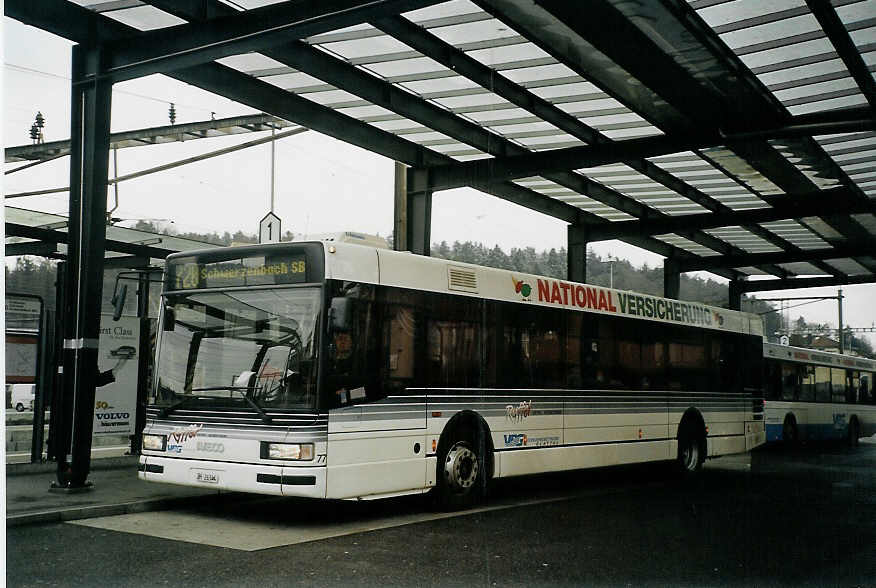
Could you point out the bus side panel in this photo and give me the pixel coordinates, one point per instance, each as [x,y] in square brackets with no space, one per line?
[377,449]
[554,459]
[586,420]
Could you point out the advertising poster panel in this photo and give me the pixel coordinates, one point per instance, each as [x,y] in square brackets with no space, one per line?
[116,395]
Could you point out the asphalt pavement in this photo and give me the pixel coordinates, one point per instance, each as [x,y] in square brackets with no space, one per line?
[775,517]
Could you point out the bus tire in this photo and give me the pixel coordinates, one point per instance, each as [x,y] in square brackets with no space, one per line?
[691,446]
[854,432]
[790,434]
[462,470]
[19,407]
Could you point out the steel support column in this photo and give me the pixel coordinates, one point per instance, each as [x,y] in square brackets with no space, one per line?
[671,278]
[576,253]
[419,211]
[89,133]
[734,295]
[400,210]
[144,356]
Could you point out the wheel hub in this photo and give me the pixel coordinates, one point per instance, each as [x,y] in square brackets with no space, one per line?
[460,468]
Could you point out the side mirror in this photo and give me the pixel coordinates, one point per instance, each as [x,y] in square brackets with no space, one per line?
[118,301]
[341,315]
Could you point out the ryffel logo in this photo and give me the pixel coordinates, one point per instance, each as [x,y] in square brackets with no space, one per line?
[178,437]
[515,440]
[519,412]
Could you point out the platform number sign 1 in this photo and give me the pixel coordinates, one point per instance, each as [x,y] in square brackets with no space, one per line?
[269,229]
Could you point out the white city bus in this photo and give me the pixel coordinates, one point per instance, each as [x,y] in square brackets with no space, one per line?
[334,370]
[816,396]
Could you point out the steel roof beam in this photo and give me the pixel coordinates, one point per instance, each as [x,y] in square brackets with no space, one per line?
[784,207]
[521,166]
[346,77]
[790,284]
[40,248]
[845,47]
[182,46]
[51,236]
[79,24]
[807,255]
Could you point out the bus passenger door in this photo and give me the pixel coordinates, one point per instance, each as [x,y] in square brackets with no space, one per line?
[377,431]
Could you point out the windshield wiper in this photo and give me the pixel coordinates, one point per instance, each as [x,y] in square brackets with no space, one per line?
[169,409]
[245,394]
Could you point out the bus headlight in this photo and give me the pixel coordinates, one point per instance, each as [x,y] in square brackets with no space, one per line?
[155,442]
[290,451]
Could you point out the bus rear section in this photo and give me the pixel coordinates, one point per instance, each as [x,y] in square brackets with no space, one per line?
[818,396]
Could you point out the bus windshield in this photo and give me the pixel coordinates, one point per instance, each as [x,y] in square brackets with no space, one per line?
[222,348]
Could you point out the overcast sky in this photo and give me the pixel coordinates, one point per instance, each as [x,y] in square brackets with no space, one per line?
[321,184]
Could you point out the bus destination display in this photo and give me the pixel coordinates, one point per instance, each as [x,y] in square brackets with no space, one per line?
[189,274]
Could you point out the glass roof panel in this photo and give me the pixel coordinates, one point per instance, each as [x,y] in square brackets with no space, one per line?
[803,72]
[331,97]
[474,31]
[443,10]
[738,10]
[359,31]
[771,31]
[381,45]
[815,89]
[632,133]
[251,62]
[857,99]
[144,18]
[487,98]
[406,67]
[578,88]
[540,72]
[856,11]
[848,266]
[518,51]
[741,170]
[686,244]
[453,82]
[799,50]
[298,82]
[799,235]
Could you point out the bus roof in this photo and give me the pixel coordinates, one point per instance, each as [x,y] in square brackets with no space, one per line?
[803,355]
[406,270]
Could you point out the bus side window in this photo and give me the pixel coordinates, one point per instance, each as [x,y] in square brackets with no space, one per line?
[822,384]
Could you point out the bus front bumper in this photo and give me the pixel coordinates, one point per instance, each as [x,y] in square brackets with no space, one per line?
[308,481]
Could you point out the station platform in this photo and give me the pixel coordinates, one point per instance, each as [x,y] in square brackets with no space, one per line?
[115,490]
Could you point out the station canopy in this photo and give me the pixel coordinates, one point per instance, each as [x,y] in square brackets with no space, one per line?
[730,136]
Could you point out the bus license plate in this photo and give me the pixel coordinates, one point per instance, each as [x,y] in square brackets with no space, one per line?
[205,476]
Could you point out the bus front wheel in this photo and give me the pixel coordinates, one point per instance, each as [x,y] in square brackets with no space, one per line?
[691,455]
[461,476]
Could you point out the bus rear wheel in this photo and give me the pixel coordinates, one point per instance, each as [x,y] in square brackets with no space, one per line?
[854,432]
[461,475]
[19,407]
[691,451]
[789,431]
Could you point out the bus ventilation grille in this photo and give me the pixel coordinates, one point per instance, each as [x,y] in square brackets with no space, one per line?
[462,279]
